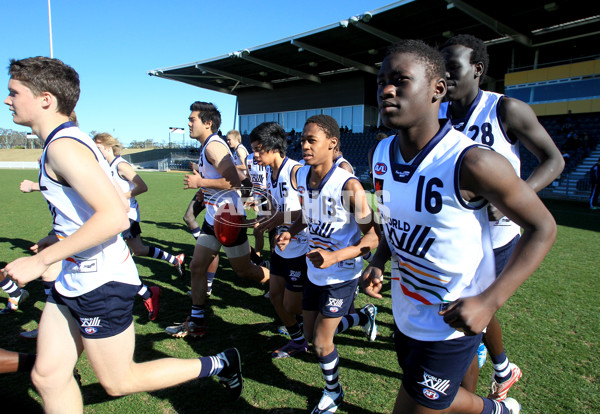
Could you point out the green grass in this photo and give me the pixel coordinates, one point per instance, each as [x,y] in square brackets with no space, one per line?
[550,325]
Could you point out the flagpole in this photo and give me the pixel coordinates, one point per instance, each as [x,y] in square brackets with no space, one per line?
[50,29]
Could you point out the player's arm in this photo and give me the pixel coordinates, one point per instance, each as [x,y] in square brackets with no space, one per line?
[372,277]
[127,172]
[218,155]
[74,164]
[487,174]
[28,186]
[521,123]
[357,204]
[242,153]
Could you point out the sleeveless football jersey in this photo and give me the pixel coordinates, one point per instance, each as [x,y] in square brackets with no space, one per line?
[214,198]
[339,160]
[285,197]
[235,156]
[89,269]
[440,244]
[125,186]
[258,175]
[330,225]
[483,125]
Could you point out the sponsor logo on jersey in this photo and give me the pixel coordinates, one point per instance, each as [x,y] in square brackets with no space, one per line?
[301,189]
[431,394]
[380,168]
[435,384]
[90,331]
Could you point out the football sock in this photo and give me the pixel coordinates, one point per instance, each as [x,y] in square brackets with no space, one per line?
[144,292]
[210,278]
[211,365]
[11,288]
[329,366]
[348,321]
[161,254]
[493,407]
[501,369]
[48,287]
[26,362]
[197,315]
[296,333]
[195,232]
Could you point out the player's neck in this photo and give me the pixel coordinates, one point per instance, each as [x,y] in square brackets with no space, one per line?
[460,107]
[276,165]
[318,172]
[412,140]
[43,127]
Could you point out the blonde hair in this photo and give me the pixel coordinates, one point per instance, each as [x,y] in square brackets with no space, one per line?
[108,140]
[235,134]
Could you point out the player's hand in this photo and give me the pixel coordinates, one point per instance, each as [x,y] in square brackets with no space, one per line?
[24,269]
[192,181]
[193,166]
[43,243]
[283,239]
[372,281]
[469,315]
[321,259]
[26,186]
[250,203]
[494,214]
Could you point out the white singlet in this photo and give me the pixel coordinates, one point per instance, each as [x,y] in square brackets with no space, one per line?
[214,198]
[258,176]
[89,269]
[125,186]
[483,125]
[330,225]
[440,244]
[285,197]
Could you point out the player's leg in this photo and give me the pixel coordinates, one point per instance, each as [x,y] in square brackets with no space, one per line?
[506,374]
[58,348]
[134,241]
[192,211]
[239,257]
[207,247]
[259,241]
[16,295]
[15,361]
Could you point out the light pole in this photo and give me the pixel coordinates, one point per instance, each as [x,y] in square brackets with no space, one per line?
[174,130]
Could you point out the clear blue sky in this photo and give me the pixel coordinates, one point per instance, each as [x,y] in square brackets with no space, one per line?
[113,43]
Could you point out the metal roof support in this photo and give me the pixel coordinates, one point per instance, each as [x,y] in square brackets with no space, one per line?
[232,76]
[245,54]
[489,21]
[186,79]
[336,58]
[374,31]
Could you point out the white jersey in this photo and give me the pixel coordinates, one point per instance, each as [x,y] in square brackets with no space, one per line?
[340,160]
[330,225]
[483,125]
[125,186]
[258,175]
[94,267]
[214,198]
[441,247]
[285,198]
[236,157]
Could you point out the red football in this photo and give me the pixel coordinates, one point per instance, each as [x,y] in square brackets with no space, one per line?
[228,224]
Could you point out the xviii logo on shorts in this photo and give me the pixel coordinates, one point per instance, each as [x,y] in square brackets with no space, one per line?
[335,304]
[433,384]
[91,325]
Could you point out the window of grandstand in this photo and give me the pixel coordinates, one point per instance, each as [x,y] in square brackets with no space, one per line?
[354,117]
[556,90]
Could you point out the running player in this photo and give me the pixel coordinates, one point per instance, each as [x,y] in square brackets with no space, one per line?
[90,306]
[132,185]
[194,209]
[336,211]
[443,287]
[501,122]
[218,179]
[288,267]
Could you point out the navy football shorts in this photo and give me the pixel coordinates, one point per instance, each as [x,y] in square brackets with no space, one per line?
[292,270]
[333,301]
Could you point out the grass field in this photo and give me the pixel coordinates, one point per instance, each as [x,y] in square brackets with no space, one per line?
[551,325]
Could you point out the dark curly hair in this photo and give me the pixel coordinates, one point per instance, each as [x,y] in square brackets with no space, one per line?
[207,112]
[435,65]
[328,124]
[479,52]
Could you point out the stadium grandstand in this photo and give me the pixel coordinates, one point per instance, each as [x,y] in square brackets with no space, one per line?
[543,52]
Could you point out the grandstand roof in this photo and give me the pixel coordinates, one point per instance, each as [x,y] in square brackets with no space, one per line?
[519,34]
